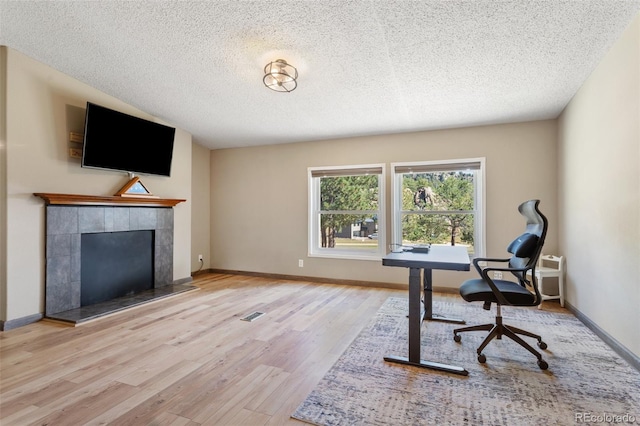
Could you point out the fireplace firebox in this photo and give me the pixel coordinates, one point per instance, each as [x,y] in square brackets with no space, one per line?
[115,264]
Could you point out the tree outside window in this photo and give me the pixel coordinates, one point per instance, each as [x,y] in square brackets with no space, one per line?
[345,211]
[440,204]
[341,198]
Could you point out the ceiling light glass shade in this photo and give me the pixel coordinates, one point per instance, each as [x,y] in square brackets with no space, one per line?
[280,76]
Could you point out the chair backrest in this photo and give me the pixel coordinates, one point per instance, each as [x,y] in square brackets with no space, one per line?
[526,249]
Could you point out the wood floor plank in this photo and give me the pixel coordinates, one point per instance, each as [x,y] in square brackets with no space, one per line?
[134,409]
[245,417]
[186,360]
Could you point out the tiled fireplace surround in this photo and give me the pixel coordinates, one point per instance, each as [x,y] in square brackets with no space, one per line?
[65,225]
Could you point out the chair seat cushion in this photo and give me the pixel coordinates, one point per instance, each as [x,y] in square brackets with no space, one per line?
[477,290]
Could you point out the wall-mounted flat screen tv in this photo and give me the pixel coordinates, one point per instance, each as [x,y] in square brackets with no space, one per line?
[117,141]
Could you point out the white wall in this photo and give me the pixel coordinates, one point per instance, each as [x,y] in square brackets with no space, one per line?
[43,105]
[599,180]
[259,195]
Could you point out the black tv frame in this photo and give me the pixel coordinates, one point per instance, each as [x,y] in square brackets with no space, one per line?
[117,141]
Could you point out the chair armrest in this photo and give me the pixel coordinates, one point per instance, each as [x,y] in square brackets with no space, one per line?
[484,273]
[479,268]
[477,260]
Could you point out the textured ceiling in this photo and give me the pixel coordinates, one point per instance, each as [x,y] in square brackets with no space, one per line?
[365,67]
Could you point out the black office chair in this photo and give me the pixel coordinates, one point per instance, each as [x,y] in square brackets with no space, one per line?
[525,251]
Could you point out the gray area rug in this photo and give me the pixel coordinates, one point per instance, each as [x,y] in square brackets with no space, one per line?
[586,381]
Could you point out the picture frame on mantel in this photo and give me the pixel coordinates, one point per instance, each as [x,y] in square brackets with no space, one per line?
[135,188]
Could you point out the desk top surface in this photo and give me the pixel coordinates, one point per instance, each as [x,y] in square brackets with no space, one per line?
[455,258]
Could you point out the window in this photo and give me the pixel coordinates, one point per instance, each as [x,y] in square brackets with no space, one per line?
[345,212]
[439,203]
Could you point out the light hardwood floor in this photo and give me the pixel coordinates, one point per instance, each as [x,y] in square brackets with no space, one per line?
[187,360]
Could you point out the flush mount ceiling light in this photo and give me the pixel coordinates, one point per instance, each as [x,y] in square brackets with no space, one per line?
[280,76]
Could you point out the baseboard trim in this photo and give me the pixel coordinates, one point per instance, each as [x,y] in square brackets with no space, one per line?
[373,284]
[199,272]
[626,354]
[19,322]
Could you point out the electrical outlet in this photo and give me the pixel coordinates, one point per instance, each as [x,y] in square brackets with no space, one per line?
[300,263]
[497,275]
[199,258]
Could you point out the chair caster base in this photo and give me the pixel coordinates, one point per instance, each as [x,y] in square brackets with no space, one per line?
[497,331]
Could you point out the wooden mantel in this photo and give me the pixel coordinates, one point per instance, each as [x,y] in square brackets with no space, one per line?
[93,200]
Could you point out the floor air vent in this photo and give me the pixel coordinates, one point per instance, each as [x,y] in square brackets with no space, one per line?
[252,317]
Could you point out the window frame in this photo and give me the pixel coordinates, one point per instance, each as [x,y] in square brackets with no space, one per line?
[313,224]
[442,165]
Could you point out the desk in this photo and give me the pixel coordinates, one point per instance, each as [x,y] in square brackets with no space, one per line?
[452,258]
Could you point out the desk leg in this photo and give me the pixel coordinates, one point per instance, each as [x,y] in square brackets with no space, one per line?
[414,332]
[428,302]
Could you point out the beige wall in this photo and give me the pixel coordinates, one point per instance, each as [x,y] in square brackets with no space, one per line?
[43,105]
[259,194]
[3,182]
[200,207]
[599,180]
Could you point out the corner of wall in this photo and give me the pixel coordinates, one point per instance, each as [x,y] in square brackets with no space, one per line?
[200,208]
[3,183]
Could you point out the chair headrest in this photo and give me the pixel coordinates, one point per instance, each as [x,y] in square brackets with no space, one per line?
[523,246]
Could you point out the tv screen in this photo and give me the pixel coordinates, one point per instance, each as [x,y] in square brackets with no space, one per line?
[118,141]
